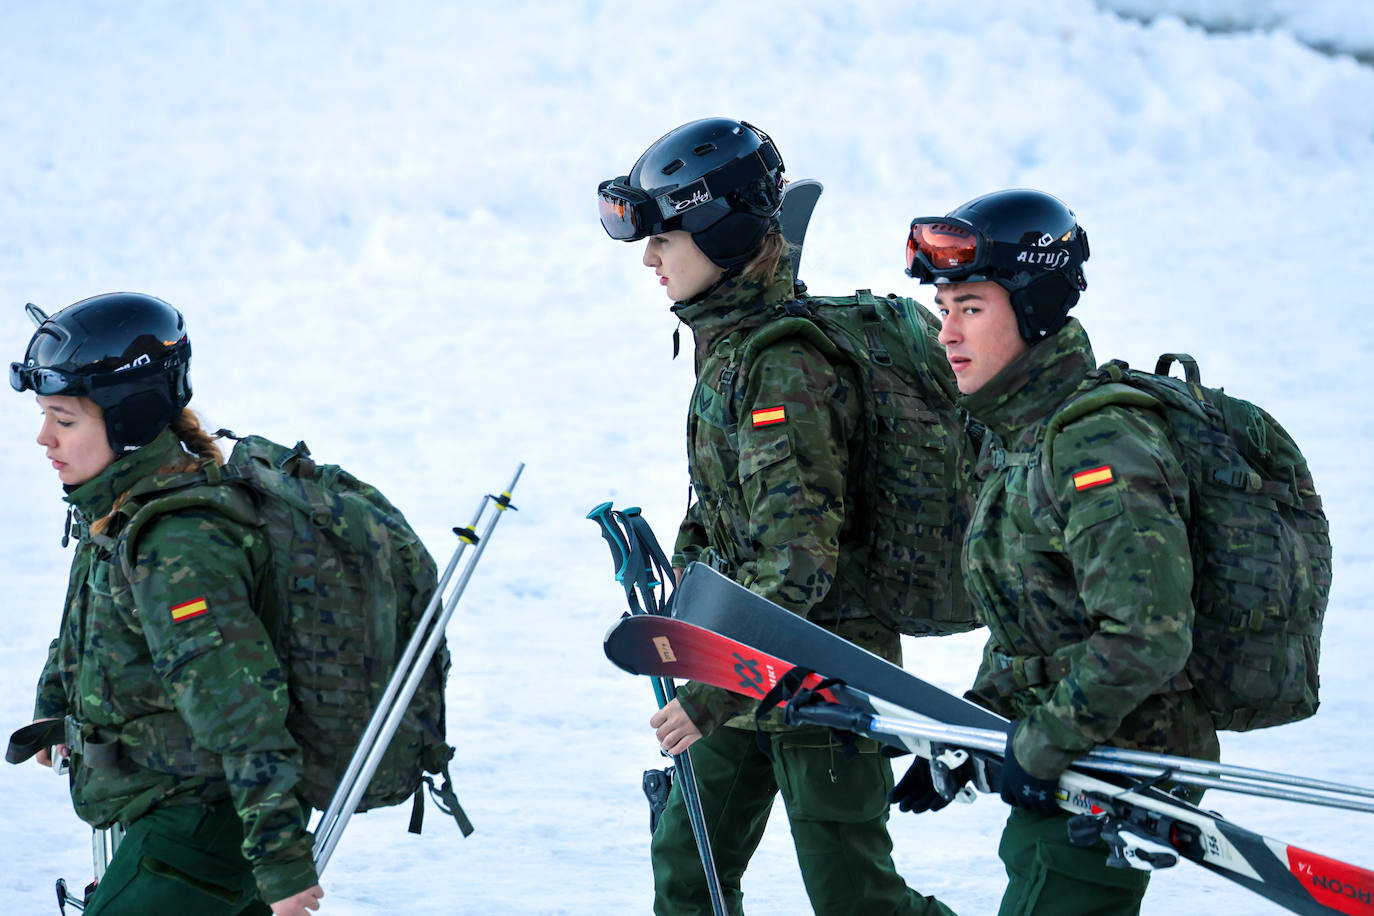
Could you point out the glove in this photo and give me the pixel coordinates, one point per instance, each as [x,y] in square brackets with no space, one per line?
[916,792]
[1022,790]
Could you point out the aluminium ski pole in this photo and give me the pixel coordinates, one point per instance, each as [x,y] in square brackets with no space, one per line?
[403,684]
[1182,770]
[637,557]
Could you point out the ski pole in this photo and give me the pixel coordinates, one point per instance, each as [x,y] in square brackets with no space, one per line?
[374,724]
[405,681]
[1183,770]
[636,554]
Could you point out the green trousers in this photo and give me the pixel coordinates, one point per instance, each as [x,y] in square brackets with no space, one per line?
[180,859]
[838,812]
[1049,876]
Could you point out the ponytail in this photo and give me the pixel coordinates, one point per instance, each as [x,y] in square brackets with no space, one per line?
[195,439]
[764,265]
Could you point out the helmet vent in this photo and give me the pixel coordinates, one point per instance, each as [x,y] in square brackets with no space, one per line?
[703,148]
[673,166]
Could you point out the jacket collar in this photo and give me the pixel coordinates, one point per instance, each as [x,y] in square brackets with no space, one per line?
[734,303]
[1031,386]
[96,497]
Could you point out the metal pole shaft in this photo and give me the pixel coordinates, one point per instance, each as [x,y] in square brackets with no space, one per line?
[324,844]
[374,724]
[1186,770]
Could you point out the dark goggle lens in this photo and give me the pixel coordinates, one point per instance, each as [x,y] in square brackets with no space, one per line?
[944,246]
[42,381]
[617,217]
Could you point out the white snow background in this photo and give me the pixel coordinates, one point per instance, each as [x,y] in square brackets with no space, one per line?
[379,221]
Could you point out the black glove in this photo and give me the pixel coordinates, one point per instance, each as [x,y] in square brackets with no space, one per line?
[1022,790]
[916,792]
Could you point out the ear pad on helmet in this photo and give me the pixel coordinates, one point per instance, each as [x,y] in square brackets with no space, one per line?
[733,239]
[137,419]
[1042,306]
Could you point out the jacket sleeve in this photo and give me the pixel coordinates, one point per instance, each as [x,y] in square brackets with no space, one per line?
[193,586]
[795,422]
[691,538]
[51,701]
[1122,497]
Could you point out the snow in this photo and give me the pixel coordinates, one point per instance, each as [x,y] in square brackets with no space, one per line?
[380,225]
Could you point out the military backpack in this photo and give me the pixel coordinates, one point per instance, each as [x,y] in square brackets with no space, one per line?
[915,486]
[1260,543]
[349,583]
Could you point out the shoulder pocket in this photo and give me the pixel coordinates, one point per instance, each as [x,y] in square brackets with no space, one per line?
[1092,511]
[763,451]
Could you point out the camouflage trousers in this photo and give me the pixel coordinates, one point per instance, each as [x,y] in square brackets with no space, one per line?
[1049,876]
[838,812]
[180,859]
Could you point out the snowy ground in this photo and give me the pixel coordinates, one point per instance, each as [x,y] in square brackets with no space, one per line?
[380,225]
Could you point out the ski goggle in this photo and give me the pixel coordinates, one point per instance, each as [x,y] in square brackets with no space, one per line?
[629,214]
[950,248]
[45,381]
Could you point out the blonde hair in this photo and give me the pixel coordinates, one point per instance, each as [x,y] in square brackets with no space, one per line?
[764,265]
[200,447]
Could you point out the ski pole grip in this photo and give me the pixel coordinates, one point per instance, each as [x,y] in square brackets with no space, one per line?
[843,718]
[619,549]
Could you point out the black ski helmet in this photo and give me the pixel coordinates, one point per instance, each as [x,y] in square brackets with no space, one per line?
[1028,242]
[717,178]
[127,352]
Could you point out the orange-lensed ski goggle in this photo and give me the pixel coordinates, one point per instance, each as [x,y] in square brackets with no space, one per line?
[950,248]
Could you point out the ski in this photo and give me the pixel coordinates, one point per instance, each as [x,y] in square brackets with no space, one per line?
[798,200]
[1143,826]
[717,603]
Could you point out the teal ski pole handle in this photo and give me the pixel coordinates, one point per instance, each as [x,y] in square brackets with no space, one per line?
[620,551]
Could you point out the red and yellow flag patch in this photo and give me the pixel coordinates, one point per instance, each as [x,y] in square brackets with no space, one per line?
[188,609]
[1093,477]
[767,416]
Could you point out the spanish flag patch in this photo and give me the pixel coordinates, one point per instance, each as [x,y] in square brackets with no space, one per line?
[188,609]
[767,416]
[1093,477]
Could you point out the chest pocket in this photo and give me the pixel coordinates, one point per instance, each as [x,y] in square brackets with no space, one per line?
[713,407]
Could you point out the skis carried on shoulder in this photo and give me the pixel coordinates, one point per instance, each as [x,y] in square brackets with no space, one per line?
[798,201]
[1143,826]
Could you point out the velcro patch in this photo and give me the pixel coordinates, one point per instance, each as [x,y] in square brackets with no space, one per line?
[188,609]
[1093,477]
[767,416]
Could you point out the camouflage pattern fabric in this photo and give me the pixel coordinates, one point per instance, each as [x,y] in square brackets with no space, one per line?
[1085,585]
[174,674]
[772,488]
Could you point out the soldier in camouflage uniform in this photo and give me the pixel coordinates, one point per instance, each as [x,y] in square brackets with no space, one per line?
[172,702]
[1078,560]
[773,473]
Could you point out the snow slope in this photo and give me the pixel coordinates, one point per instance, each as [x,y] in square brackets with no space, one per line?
[380,225]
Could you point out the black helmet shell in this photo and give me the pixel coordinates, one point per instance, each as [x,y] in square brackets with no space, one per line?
[1034,221]
[127,352]
[726,226]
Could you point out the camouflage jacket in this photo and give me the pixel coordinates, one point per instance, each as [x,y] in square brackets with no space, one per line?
[172,664]
[1079,563]
[770,453]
